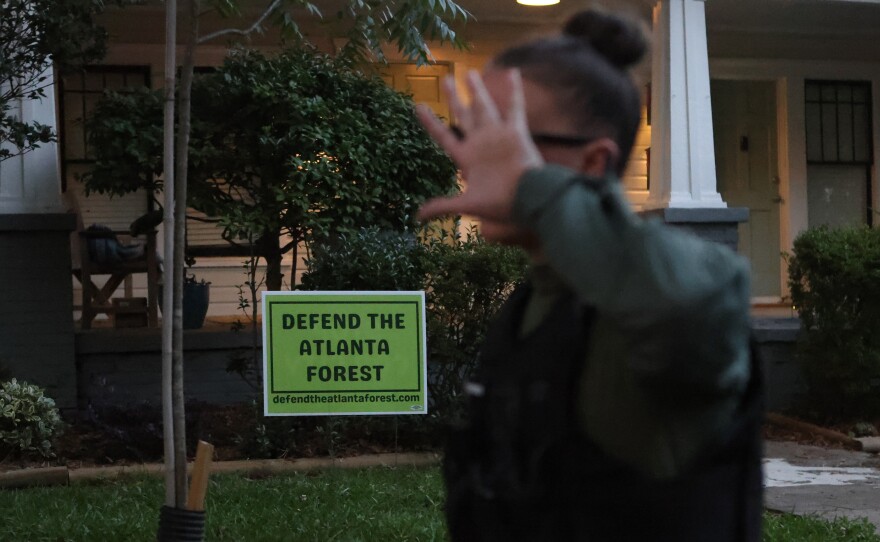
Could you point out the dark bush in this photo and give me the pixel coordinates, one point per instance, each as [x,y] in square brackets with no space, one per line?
[834,276]
[310,436]
[369,259]
[465,279]
[468,281]
[110,432]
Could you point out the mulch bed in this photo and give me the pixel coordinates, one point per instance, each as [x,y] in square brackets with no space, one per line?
[792,429]
[773,432]
[134,436]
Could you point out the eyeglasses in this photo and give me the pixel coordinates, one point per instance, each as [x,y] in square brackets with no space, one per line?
[561,140]
[544,139]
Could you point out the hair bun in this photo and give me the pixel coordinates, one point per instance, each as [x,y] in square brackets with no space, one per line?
[621,41]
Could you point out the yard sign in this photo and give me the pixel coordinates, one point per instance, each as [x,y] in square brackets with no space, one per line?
[344,353]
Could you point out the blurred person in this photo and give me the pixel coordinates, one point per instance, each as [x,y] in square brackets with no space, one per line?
[616,396]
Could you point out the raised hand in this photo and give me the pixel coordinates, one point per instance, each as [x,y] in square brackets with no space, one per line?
[493,151]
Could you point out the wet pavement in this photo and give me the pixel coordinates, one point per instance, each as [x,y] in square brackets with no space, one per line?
[828,483]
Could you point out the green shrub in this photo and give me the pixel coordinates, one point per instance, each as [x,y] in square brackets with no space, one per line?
[29,420]
[834,276]
[468,281]
[465,279]
[369,259]
[283,148]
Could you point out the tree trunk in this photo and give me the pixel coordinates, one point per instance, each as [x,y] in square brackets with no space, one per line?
[267,247]
[294,257]
[182,153]
[168,280]
[256,335]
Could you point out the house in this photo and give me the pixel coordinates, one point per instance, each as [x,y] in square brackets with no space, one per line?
[760,120]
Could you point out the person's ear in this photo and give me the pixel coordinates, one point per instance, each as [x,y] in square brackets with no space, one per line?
[600,157]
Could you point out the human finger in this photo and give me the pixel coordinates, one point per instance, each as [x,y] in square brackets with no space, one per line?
[460,112]
[483,108]
[516,110]
[438,131]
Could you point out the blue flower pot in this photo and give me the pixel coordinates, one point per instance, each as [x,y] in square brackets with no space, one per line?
[196,297]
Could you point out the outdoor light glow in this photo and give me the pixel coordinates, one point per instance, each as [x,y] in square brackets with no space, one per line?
[537,2]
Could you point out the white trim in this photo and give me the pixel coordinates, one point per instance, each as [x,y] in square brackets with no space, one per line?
[683,175]
[750,68]
[784,158]
[855,1]
[31,182]
[766,300]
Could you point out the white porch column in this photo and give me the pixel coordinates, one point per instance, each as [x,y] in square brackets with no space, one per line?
[682,143]
[31,182]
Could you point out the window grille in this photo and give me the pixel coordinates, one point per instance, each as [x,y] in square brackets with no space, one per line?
[838,119]
[80,91]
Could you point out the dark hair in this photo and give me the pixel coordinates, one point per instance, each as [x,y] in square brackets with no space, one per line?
[587,68]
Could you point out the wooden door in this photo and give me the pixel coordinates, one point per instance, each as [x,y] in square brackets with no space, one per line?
[744,116]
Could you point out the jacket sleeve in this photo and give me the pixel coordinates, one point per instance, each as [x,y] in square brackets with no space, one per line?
[683,301]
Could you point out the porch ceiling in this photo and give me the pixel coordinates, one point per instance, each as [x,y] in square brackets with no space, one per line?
[508,11]
[804,16]
[815,17]
[818,18]
[791,29]
[736,28]
[832,30]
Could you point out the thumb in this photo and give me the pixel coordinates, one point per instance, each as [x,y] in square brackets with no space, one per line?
[437,207]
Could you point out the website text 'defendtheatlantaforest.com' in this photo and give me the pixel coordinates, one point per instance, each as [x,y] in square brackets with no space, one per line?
[313,398]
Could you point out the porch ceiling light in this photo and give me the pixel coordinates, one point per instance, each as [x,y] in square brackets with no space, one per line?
[537,2]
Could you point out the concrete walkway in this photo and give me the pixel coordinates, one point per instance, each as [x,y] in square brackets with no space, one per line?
[808,480]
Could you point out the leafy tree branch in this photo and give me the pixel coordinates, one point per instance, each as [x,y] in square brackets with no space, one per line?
[36,35]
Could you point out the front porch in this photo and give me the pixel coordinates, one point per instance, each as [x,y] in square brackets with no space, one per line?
[122,367]
[796,44]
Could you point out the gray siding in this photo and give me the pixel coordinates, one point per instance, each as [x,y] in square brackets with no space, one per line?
[36,303]
[123,368]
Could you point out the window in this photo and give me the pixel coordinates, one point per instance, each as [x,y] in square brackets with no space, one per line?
[838,122]
[839,152]
[79,92]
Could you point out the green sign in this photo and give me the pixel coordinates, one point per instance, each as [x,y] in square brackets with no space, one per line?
[344,353]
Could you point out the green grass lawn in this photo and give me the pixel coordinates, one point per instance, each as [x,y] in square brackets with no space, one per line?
[785,527]
[379,504]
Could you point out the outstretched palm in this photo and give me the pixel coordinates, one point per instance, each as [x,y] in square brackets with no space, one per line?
[493,154]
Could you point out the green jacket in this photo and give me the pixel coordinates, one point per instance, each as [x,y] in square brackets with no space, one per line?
[668,355]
